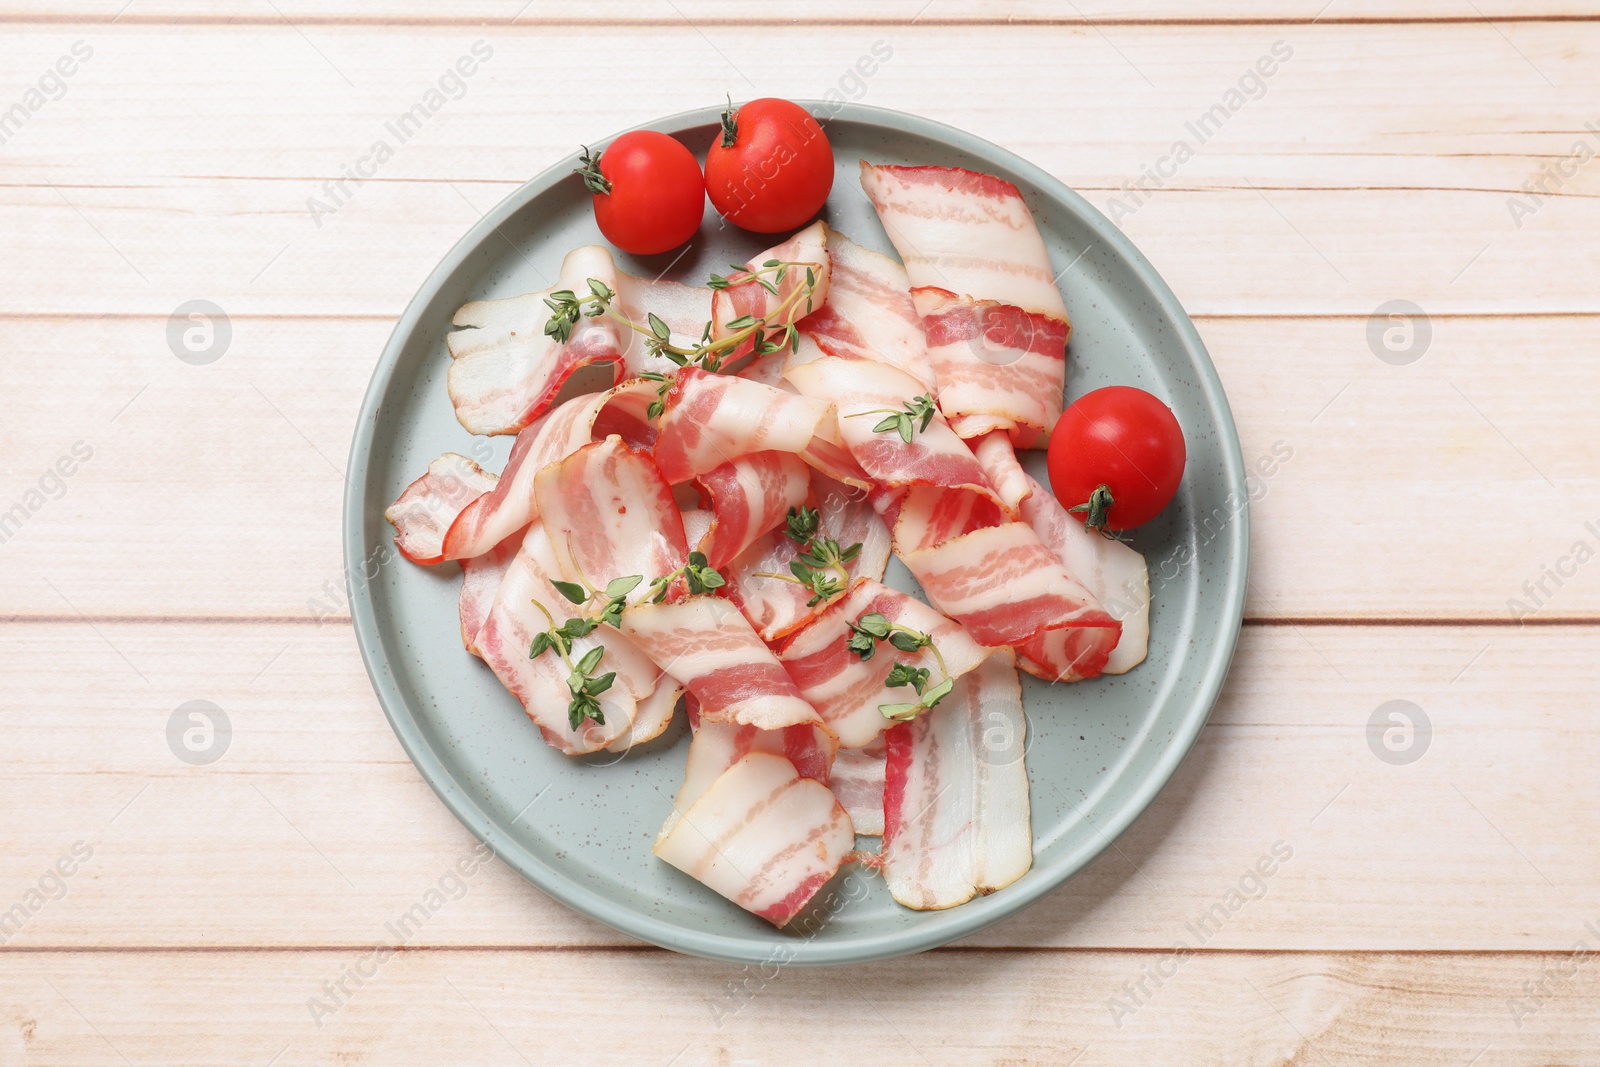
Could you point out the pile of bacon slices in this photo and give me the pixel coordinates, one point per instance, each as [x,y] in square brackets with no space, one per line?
[869,408]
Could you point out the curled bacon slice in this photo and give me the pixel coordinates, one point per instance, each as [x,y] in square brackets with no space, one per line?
[809,248]
[705,644]
[997,365]
[1006,588]
[869,314]
[763,836]
[651,717]
[712,419]
[857,781]
[966,232]
[749,497]
[480,582]
[541,683]
[845,689]
[1114,572]
[955,801]
[716,746]
[430,504]
[506,371]
[999,461]
[860,390]
[609,514]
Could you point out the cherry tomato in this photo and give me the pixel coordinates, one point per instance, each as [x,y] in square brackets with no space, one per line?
[649,193]
[771,167]
[1118,454]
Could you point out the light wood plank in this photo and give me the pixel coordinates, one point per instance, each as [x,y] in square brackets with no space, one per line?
[216,490]
[1357,178]
[936,12]
[314,829]
[936,1009]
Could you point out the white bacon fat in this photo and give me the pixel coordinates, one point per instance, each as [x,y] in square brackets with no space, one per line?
[763,836]
[424,512]
[956,812]
[716,746]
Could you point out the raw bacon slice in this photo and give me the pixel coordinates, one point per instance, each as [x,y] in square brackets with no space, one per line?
[928,516]
[857,781]
[776,607]
[716,746]
[609,514]
[763,836]
[999,460]
[1111,570]
[997,365]
[684,308]
[506,371]
[707,646]
[749,497]
[955,801]
[712,419]
[845,689]
[541,684]
[1006,588]
[651,718]
[430,504]
[808,247]
[480,582]
[966,232]
[869,314]
[859,389]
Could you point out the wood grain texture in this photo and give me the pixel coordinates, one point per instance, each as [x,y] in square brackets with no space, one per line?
[315,829]
[1396,474]
[1356,178]
[937,1009]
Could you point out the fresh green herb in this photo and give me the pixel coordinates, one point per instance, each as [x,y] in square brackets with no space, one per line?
[698,575]
[914,415]
[820,566]
[582,682]
[872,628]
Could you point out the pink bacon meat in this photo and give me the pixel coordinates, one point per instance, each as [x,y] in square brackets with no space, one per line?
[845,689]
[869,314]
[998,366]
[965,232]
[506,371]
[749,497]
[707,646]
[480,583]
[955,800]
[809,248]
[1006,588]
[425,511]
[857,780]
[762,835]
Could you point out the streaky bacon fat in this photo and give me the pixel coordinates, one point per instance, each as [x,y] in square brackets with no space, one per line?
[423,513]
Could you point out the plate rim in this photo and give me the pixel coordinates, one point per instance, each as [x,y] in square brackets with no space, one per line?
[555,882]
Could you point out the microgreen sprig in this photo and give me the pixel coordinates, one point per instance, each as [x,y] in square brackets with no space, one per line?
[912,416]
[865,634]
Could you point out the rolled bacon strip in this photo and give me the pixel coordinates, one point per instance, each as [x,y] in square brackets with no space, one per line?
[480,583]
[651,717]
[966,232]
[707,646]
[998,458]
[506,371]
[955,799]
[749,497]
[716,746]
[609,514]
[1006,588]
[425,511]
[998,366]
[762,835]
[809,248]
[1114,572]
[869,314]
[845,689]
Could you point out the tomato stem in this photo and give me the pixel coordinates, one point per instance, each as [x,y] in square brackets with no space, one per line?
[1097,508]
[730,125]
[596,182]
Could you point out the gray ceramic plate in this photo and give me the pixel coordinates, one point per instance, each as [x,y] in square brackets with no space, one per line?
[1099,750]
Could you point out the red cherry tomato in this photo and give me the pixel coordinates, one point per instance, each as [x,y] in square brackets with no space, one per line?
[771,167]
[649,193]
[1117,452]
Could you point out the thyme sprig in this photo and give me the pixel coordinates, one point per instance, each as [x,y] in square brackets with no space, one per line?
[906,420]
[872,628]
[584,685]
[820,566]
[697,573]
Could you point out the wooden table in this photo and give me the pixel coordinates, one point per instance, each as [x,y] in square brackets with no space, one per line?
[172,532]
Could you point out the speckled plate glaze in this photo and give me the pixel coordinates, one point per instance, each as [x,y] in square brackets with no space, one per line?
[581,829]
